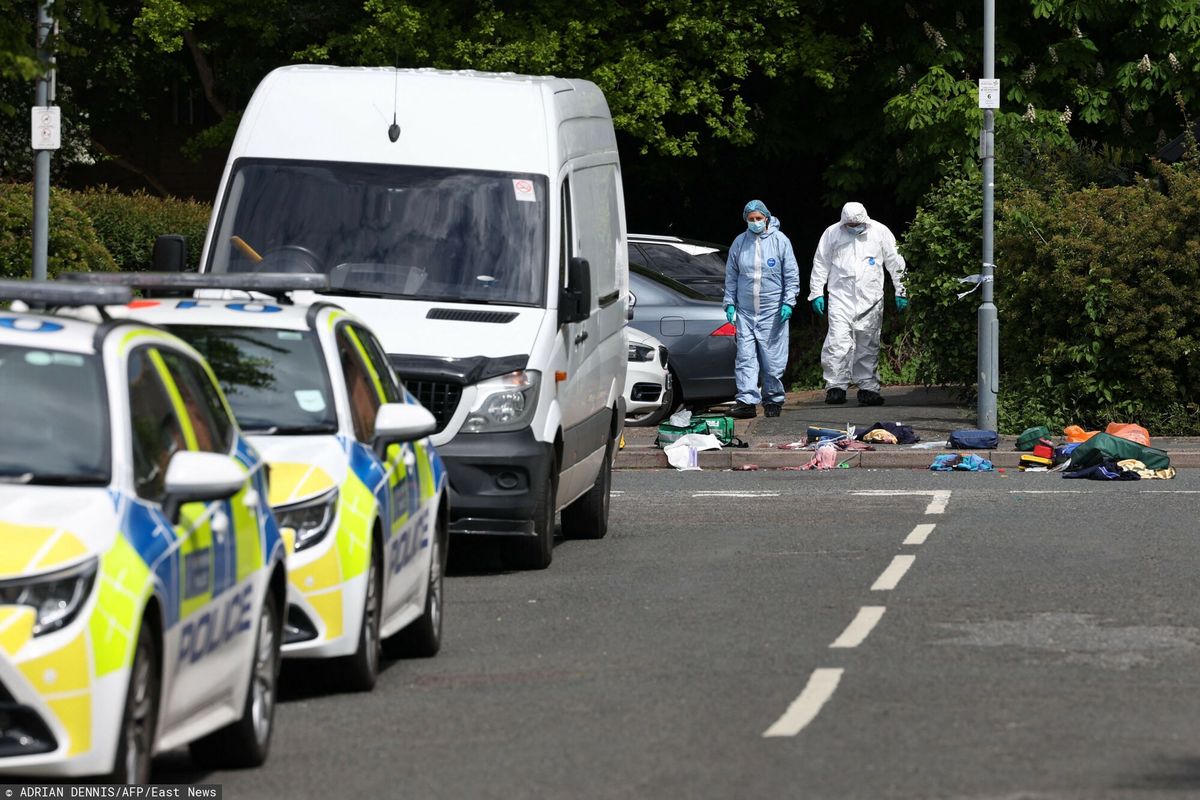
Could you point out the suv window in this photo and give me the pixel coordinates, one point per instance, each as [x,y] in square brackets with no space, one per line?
[212,426]
[364,400]
[155,429]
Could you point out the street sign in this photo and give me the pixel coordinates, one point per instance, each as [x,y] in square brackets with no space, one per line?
[46,127]
[989,93]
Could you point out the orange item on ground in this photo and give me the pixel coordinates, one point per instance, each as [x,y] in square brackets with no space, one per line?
[1074,433]
[1130,431]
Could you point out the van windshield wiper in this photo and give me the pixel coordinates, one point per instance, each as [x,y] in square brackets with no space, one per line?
[348,292]
[291,430]
[16,477]
[68,479]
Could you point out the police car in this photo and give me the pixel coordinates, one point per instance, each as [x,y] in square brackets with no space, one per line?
[360,493]
[142,574]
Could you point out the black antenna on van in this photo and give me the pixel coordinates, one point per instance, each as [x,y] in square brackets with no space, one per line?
[394,128]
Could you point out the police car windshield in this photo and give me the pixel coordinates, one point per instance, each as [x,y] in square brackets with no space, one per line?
[55,412]
[425,233]
[275,380]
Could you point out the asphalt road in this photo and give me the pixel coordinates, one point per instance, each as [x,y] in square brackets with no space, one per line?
[1035,644]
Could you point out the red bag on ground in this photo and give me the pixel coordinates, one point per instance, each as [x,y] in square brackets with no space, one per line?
[1130,431]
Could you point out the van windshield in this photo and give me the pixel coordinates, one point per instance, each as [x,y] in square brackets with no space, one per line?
[421,233]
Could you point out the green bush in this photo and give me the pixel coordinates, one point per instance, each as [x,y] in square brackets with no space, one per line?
[73,244]
[1095,282]
[128,224]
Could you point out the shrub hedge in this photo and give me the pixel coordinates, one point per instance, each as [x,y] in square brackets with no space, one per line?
[1095,287]
[74,245]
[127,224]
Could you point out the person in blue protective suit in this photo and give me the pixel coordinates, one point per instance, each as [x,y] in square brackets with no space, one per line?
[761,283]
[850,258]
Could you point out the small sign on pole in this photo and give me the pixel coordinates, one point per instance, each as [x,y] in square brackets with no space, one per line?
[46,131]
[989,93]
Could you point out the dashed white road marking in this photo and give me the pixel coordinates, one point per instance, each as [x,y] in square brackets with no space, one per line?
[749,494]
[860,627]
[937,503]
[920,534]
[1045,491]
[891,576]
[804,709]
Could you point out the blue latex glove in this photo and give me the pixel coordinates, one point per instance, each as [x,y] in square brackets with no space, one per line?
[730,314]
[901,303]
[785,313]
[818,305]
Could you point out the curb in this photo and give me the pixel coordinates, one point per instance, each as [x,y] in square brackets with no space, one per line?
[649,457]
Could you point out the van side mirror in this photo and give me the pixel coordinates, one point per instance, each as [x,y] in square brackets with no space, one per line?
[170,253]
[575,299]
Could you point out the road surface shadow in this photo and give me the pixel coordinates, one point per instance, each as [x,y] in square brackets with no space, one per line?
[1167,774]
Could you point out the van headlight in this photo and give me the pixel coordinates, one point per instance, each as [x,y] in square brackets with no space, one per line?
[505,403]
[311,520]
[56,598]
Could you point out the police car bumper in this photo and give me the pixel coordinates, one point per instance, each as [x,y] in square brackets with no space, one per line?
[55,719]
[324,613]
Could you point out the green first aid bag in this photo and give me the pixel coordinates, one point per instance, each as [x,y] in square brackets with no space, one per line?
[1030,436]
[719,426]
[668,433]
[1106,447]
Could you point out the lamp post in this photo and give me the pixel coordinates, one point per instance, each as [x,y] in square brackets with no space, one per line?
[989,325]
[44,134]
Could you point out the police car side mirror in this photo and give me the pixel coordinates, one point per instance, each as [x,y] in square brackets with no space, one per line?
[575,299]
[194,476]
[170,253]
[402,422]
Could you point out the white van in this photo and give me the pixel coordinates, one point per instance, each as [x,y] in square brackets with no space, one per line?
[476,223]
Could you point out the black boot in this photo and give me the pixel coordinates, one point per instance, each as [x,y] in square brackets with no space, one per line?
[835,397]
[868,398]
[743,411]
[772,409]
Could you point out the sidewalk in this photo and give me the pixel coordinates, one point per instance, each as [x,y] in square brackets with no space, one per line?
[933,414]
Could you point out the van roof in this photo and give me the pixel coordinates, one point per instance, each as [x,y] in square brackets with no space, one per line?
[465,119]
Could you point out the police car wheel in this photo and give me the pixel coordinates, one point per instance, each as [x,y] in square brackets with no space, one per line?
[245,743]
[587,517]
[360,671]
[537,551]
[423,637]
[135,746]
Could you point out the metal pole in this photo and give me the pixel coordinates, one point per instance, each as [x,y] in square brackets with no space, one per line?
[989,325]
[41,160]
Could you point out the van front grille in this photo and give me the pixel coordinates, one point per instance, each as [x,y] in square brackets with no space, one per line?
[471,315]
[440,398]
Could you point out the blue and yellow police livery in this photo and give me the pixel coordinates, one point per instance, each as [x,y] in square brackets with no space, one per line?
[142,574]
[359,491]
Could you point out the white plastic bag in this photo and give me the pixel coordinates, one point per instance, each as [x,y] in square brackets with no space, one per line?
[682,454]
[681,418]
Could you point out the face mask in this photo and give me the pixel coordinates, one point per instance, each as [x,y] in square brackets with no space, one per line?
[758,226]
[857,229]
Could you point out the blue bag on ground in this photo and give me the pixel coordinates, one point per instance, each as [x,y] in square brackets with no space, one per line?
[974,440]
[1104,471]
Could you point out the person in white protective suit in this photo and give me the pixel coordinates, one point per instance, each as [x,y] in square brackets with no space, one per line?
[850,258]
[762,280]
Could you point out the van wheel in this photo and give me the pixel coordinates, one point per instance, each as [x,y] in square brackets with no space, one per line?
[360,671]
[423,638]
[587,517]
[135,747]
[537,551]
[245,743]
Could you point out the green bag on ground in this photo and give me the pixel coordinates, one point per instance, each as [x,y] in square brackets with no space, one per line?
[719,426]
[1030,436]
[1106,447]
[668,433]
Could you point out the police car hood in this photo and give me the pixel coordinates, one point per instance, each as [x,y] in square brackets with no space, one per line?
[302,467]
[47,528]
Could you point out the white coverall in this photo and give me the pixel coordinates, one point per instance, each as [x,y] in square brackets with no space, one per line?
[852,264]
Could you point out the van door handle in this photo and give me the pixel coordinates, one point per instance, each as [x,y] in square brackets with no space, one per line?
[581,338]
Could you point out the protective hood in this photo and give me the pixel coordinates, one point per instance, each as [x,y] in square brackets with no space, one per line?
[854,213]
[47,528]
[772,227]
[302,467]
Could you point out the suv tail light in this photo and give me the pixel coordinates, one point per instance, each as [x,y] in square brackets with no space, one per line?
[725,330]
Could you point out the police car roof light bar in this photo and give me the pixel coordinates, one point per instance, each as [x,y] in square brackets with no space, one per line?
[270,283]
[63,295]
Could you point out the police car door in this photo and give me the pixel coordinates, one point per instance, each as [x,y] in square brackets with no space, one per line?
[207,643]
